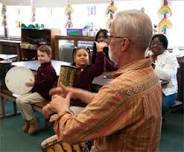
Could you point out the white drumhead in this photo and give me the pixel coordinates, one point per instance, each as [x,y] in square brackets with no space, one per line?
[16,79]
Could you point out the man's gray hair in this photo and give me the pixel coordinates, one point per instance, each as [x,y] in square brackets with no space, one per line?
[135,25]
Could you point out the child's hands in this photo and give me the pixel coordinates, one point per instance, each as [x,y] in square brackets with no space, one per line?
[30,83]
[100,46]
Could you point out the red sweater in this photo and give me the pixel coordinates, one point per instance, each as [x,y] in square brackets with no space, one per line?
[84,76]
[45,79]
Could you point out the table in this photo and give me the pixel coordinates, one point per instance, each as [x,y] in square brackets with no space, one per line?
[102,79]
[8,56]
[106,77]
[33,65]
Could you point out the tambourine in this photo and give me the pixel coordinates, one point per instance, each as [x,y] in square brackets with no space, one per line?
[16,79]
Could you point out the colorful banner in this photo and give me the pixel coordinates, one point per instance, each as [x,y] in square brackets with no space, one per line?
[165,12]
[68,13]
[111,9]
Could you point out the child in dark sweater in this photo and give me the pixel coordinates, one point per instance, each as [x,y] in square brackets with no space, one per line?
[85,72]
[44,80]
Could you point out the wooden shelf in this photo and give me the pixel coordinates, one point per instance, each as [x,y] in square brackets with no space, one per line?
[75,40]
[37,37]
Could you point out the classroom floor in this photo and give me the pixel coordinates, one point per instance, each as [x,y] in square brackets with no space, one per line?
[12,139]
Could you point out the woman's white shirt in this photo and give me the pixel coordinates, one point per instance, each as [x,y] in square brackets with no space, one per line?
[166,66]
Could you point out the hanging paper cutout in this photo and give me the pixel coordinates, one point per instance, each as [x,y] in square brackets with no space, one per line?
[33,19]
[91,10]
[111,9]
[164,24]
[18,21]
[4,22]
[68,12]
[3,12]
[165,10]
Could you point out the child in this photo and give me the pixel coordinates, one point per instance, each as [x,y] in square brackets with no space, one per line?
[85,73]
[44,80]
[102,36]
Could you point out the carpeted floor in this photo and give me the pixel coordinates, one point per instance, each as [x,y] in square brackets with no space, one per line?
[12,139]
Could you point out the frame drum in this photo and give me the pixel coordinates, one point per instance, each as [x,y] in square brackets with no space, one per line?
[16,79]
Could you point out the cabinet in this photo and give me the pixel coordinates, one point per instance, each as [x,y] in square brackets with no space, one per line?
[31,39]
[64,45]
[10,47]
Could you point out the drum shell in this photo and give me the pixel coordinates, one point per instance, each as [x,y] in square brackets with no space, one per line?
[67,75]
[4,67]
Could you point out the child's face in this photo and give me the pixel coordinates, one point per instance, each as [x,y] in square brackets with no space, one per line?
[101,37]
[81,58]
[43,57]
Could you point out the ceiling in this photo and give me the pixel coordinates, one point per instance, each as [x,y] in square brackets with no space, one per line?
[53,3]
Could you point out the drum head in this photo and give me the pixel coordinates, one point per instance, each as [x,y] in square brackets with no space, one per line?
[16,79]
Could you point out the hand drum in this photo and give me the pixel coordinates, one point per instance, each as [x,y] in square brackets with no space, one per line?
[16,79]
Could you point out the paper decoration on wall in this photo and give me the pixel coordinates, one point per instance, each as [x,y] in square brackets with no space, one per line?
[155,29]
[18,21]
[111,9]
[165,12]
[33,11]
[91,10]
[68,12]
[4,22]
[33,18]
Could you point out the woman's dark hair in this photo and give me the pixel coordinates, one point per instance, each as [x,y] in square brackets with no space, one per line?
[75,52]
[104,31]
[106,50]
[162,38]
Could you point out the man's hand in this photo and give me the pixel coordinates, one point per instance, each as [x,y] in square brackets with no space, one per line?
[57,105]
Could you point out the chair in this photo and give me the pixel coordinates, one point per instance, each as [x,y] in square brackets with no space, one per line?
[179,105]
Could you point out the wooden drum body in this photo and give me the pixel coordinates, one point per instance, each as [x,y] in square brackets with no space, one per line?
[67,75]
[51,144]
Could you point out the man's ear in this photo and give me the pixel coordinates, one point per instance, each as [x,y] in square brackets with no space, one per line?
[125,44]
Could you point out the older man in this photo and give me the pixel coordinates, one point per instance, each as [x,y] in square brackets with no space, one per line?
[125,115]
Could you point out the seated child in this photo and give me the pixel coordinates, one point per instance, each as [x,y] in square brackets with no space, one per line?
[44,80]
[86,73]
